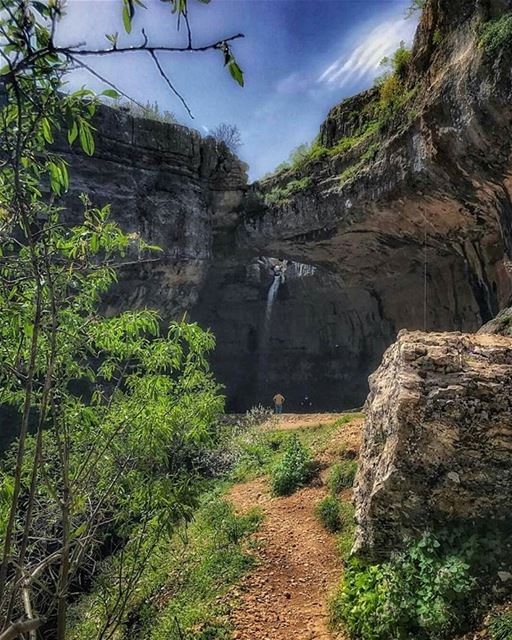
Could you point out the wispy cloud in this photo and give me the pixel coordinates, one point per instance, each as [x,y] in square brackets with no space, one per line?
[296,82]
[364,60]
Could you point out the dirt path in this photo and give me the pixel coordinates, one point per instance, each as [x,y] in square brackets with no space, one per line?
[285,597]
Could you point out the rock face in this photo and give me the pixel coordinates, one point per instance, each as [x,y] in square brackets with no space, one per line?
[407,226]
[417,213]
[437,443]
[168,185]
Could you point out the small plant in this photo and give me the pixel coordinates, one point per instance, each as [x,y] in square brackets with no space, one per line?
[328,513]
[500,626]
[341,476]
[294,469]
[496,35]
[421,593]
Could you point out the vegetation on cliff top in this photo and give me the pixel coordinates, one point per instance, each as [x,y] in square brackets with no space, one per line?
[391,99]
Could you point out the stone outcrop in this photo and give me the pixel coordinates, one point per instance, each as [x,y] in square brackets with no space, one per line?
[500,325]
[437,444]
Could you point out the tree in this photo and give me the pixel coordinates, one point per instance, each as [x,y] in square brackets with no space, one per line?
[114,404]
[229,134]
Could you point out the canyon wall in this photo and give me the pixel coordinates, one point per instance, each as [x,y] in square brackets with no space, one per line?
[401,219]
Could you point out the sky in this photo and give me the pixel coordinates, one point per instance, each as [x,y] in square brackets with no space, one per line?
[300,58]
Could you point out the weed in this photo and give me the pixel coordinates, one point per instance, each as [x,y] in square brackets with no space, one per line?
[178,595]
[328,513]
[293,470]
[341,476]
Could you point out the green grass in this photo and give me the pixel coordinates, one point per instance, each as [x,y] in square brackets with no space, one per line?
[293,470]
[345,539]
[177,597]
[281,195]
[328,513]
[352,171]
[500,626]
[260,450]
[341,476]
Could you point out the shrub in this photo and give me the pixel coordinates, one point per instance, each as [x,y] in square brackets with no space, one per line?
[420,593]
[328,512]
[500,626]
[294,469]
[279,195]
[497,34]
[341,476]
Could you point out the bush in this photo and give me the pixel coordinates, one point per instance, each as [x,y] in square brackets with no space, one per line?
[341,476]
[497,34]
[421,593]
[294,469]
[500,626]
[328,512]
[280,195]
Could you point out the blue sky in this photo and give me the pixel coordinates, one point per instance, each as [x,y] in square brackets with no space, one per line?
[300,57]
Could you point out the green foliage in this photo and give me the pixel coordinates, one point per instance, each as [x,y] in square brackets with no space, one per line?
[497,35]
[178,594]
[422,592]
[345,539]
[328,513]
[118,407]
[341,476]
[280,195]
[500,626]
[293,470]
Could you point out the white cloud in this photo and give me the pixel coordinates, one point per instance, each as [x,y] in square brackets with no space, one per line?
[364,60]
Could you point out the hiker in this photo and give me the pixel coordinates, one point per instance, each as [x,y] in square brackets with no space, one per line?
[278,403]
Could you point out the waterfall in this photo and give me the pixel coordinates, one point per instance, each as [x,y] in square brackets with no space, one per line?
[265,335]
[271,297]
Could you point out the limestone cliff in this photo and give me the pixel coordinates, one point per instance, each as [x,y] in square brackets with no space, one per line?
[402,219]
[172,187]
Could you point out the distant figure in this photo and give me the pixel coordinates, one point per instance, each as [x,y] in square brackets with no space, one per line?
[278,403]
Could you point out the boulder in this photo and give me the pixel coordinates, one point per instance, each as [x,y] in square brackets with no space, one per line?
[437,444]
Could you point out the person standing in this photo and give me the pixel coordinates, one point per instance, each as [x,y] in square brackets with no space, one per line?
[278,403]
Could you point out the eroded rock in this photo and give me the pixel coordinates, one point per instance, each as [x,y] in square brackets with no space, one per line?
[437,442]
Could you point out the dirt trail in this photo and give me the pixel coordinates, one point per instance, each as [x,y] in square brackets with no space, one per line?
[285,597]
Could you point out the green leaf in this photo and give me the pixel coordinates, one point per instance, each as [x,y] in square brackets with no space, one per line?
[236,73]
[111,93]
[72,132]
[47,130]
[86,139]
[127,15]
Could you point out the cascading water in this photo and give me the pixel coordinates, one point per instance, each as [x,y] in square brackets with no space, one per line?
[265,335]
[271,297]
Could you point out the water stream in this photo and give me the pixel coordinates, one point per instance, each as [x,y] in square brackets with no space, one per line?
[265,334]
